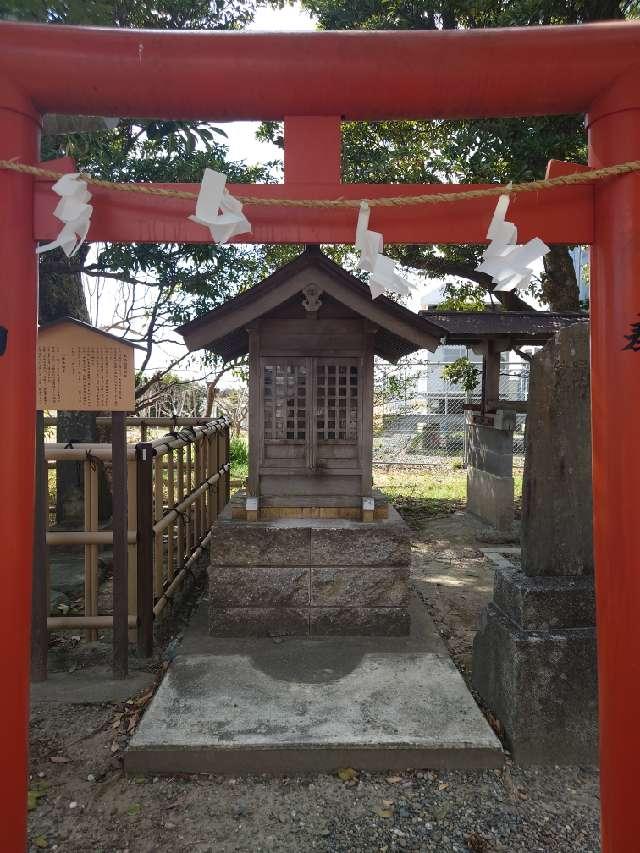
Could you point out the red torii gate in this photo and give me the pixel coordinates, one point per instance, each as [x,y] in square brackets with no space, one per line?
[313,81]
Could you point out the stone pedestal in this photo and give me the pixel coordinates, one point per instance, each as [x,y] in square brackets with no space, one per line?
[309,577]
[534,663]
[490,475]
[534,659]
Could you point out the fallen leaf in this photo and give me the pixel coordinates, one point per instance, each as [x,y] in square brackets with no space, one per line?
[393,780]
[443,786]
[134,809]
[58,759]
[478,843]
[347,774]
[385,813]
[40,841]
[144,699]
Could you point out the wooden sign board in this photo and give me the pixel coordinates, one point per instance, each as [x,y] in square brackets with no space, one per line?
[82,369]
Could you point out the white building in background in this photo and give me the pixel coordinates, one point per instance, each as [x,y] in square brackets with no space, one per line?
[580,258]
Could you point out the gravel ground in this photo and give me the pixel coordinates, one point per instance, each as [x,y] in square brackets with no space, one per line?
[81,801]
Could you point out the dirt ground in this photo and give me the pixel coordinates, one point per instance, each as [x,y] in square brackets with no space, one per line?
[81,801]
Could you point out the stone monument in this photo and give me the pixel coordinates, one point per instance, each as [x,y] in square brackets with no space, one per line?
[534,661]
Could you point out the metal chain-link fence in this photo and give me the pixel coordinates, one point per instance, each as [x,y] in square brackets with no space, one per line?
[419,417]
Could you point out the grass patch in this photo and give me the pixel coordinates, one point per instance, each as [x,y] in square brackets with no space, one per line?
[239,458]
[424,491]
[239,470]
[430,491]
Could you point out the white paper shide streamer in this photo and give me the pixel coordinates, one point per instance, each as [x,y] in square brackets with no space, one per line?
[383,269]
[74,211]
[510,265]
[218,210]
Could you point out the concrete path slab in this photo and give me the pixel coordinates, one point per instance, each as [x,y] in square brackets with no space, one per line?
[304,705]
[91,687]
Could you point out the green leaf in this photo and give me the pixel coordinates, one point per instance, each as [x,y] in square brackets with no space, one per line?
[33,798]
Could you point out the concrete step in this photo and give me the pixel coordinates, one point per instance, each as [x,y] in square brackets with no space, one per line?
[312,705]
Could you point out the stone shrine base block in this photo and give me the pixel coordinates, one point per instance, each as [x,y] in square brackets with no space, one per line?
[309,576]
[534,664]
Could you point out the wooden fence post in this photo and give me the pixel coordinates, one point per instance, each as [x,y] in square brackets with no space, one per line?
[158,512]
[120,573]
[182,547]
[132,520]
[91,550]
[227,460]
[214,465]
[40,590]
[220,455]
[197,515]
[171,500]
[144,488]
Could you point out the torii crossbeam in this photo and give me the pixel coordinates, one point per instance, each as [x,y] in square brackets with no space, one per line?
[314,81]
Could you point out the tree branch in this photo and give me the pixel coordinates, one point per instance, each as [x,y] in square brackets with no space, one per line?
[442,266]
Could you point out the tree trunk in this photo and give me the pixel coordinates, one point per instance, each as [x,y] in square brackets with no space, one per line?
[211,396]
[559,280]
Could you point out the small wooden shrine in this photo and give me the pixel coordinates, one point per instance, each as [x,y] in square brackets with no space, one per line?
[311,331]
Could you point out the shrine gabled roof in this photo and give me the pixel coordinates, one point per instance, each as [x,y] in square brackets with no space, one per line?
[224,329]
[61,321]
[522,327]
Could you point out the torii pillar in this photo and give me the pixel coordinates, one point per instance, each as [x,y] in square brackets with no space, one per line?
[614,137]
[19,136]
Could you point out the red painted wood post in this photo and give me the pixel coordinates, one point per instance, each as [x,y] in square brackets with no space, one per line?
[19,134]
[312,147]
[614,136]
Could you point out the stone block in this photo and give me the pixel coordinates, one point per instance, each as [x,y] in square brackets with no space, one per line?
[261,575]
[482,437]
[258,621]
[266,586]
[384,543]
[490,450]
[544,603]
[541,686]
[359,621]
[386,586]
[490,498]
[237,543]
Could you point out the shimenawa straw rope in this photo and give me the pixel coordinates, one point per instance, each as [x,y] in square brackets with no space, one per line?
[586,177]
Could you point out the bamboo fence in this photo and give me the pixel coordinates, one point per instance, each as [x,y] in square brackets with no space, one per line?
[175,488]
